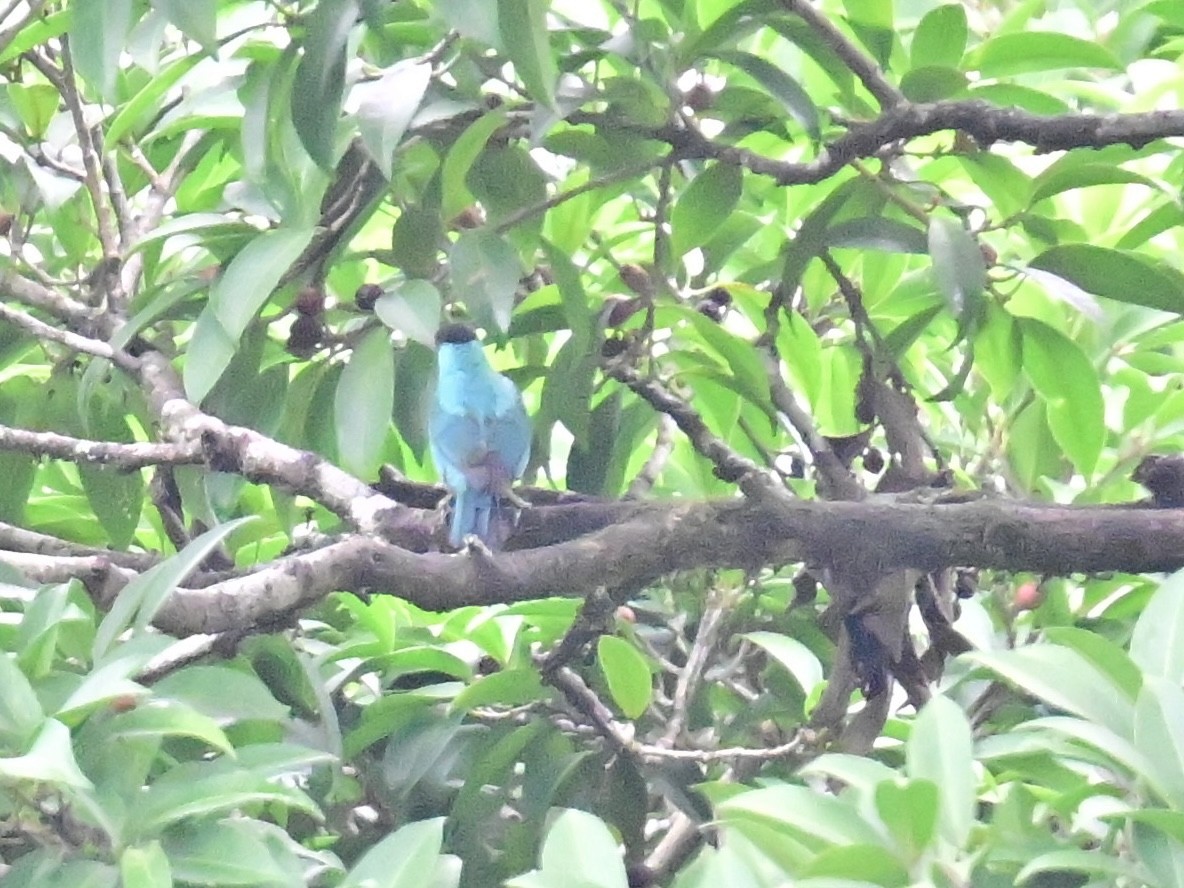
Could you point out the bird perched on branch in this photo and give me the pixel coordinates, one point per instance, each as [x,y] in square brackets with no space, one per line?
[480,438]
[1164,477]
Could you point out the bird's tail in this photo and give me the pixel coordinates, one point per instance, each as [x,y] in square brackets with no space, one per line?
[477,513]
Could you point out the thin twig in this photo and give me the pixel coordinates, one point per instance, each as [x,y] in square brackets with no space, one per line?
[729,465]
[656,462]
[83,344]
[861,65]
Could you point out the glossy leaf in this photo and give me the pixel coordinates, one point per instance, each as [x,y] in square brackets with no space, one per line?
[1155,644]
[235,300]
[485,274]
[940,38]
[362,406]
[798,659]
[49,760]
[1064,679]
[703,206]
[140,599]
[939,750]
[523,28]
[386,106]
[1068,383]
[1008,54]
[460,159]
[1115,274]
[400,860]
[780,85]
[196,19]
[627,674]
[320,77]
[98,33]
[958,266]
[412,308]
[578,850]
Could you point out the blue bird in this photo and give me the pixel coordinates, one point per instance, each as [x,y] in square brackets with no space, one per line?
[479,435]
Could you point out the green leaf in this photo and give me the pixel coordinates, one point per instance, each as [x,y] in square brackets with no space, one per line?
[1102,653]
[362,406]
[958,266]
[37,104]
[414,309]
[1058,178]
[234,301]
[507,180]
[909,809]
[578,852]
[627,674]
[415,241]
[940,750]
[508,687]
[196,19]
[1031,449]
[20,710]
[703,206]
[320,77]
[801,662]
[485,275]
[878,233]
[49,760]
[1157,643]
[932,84]
[39,31]
[1064,679]
[413,386]
[206,789]
[1067,382]
[940,38]
[1022,52]
[146,867]
[144,107]
[115,495]
[98,34]
[459,161]
[1159,735]
[780,85]
[1116,274]
[164,718]
[142,597]
[401,860]
[223,693]
[523,28]
[226,852]
[386,107]
[802,814]
[1094,868]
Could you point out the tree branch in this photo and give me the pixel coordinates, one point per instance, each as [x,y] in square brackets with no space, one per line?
[127,456]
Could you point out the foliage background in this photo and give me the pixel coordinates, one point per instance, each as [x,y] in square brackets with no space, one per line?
[842,325]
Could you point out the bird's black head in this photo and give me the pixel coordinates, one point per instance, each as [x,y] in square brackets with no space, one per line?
[455,334]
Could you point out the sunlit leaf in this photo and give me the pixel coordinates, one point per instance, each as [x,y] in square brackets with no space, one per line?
[627,674]
[320,77]
[362,406]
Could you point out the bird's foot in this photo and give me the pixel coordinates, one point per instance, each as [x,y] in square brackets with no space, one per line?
[514,499]
[475,545]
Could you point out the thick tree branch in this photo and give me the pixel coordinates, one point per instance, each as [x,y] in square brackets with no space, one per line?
[674,536]
[263,460]
[986,123]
